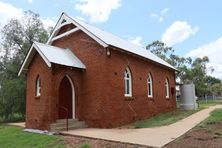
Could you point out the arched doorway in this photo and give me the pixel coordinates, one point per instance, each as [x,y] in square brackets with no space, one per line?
[66,98]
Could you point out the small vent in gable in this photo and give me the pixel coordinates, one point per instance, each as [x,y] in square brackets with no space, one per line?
[63,21]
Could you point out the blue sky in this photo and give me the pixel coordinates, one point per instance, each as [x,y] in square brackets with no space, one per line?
[193,28]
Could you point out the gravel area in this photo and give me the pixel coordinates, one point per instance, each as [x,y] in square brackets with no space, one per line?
[209,136]
[82,142]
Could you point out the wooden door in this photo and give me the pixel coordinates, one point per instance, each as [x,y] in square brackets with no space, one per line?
[65,99]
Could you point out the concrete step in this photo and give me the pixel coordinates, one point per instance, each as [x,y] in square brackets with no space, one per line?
[60,125]
[63,124]
[64,120]
[71,127]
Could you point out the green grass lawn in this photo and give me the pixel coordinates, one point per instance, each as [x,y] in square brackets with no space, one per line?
[14,137]
[171,117]
[163,119]
[205,104]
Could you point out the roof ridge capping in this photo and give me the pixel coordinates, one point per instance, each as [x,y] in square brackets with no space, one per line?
[108,39]
[43,44]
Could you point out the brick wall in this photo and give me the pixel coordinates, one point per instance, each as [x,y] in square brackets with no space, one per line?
[99,90]
[37,108]
[139,106]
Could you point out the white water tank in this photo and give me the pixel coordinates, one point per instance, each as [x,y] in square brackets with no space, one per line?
[188,97]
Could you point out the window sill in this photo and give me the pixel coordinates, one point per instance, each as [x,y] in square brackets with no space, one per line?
[37,97]
[151,99]
[128,98]
[127,95]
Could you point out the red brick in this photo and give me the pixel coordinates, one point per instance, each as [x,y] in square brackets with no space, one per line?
[99,90]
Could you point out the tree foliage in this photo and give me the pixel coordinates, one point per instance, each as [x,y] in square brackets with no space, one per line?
[160,49]
[191,70]
[216,89]
[17,37]
[167,53]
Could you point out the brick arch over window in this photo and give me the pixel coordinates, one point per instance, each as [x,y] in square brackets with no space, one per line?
[150,85]
[128,82]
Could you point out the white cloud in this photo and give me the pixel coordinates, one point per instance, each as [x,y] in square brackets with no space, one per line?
[160,19]
[154,15]
[30,1]
[213,50]
[1,51]
[164,11]
[178,32]
[137,40]
[97,10]
[8,11]
[80,18]
[48,22]
[161,16]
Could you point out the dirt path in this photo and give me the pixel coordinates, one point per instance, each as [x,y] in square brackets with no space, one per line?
[80,142]
[19,124]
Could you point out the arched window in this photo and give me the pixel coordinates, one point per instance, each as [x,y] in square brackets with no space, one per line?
[167,88]
[128,82]
[150,85]
[38,86]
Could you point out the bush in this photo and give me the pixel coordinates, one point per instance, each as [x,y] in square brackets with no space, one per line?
[12,118]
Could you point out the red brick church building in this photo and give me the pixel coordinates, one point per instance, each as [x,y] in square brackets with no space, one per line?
[90,75]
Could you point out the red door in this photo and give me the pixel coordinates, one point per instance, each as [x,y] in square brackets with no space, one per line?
[65,99]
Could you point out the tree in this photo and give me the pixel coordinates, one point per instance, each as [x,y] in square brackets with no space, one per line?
[17,37]
[212,80]
[216,89]
[167,53]
[160,49]
[197,74]
[19,34]
[191,71]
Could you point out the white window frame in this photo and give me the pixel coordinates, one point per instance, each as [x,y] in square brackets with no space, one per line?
[129,94]
[167,88]
[150,86]
[38,87]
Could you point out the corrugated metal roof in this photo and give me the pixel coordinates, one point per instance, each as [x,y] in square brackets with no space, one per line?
[116,41]
[60,56]
[51,54]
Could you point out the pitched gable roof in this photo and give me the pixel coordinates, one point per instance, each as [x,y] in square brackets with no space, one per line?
[51,54]
[107,39]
